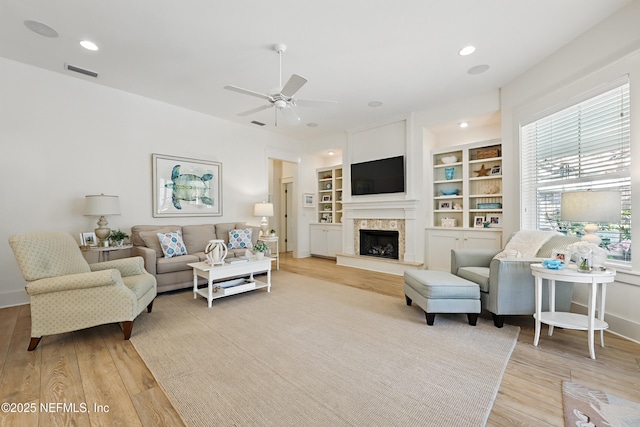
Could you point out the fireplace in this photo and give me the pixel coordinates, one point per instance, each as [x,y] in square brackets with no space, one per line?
[379,243]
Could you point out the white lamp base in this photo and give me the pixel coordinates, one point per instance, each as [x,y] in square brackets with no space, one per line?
[264,226]
[590,235]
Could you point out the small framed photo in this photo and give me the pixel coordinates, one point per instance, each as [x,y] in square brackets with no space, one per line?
[308,200]
[478,221]
[496,170]
[445,205]
[88,239]
[326,198]
[494,220]
[564,256]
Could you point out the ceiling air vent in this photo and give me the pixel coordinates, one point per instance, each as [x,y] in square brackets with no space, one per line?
[257,123]
[81,70]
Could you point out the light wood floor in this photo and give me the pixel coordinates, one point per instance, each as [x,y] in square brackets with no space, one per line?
[97,367]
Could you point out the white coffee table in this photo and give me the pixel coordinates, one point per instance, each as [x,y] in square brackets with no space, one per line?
[237,273]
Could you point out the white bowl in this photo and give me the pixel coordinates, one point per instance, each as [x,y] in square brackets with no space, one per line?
[449,159]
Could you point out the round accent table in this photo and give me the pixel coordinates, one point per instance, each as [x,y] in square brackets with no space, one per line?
[597,282]
[103,251]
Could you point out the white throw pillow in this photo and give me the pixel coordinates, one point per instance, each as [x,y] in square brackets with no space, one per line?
[240,239]
[172,244]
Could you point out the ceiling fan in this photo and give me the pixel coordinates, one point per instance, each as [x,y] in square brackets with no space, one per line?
[282,97]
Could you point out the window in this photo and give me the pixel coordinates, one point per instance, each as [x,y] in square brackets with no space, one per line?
[584,146]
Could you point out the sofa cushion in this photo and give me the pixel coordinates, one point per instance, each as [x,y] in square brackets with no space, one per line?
[240,238]
[556,242]
[196,237]
[479,275]
[172,244]
[169,265]
[137,230]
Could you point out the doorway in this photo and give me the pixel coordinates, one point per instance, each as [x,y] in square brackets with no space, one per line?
[281,190]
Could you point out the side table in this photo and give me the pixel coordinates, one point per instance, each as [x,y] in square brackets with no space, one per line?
[273,239]
[597,282]
[103,251]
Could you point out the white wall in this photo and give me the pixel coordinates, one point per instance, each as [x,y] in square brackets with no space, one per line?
[600,55]
[63,138]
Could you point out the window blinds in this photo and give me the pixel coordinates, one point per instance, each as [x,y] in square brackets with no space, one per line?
[584,146]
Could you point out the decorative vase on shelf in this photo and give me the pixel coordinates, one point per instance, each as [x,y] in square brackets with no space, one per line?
[583,262]
[449,172]
[216,252]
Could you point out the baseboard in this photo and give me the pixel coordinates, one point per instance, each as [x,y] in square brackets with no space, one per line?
[617,325]
[13,298]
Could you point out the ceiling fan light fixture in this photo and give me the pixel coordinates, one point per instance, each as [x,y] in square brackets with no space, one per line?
[280,103]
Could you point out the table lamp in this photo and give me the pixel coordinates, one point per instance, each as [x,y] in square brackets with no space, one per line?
[264,210]
[101,205]
[591,206]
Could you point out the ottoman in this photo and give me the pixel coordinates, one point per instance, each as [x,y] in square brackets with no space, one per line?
[442,292]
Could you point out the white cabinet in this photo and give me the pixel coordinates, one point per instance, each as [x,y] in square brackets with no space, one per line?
[325,239]
[440,241]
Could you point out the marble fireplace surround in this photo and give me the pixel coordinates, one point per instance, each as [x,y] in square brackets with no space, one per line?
[397,215]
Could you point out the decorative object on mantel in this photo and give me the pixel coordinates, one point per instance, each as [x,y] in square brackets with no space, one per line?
[591,206]
[449,159]
[216,251]
[101,205]
[482,171]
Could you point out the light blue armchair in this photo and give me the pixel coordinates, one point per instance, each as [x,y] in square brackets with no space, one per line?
[506,284]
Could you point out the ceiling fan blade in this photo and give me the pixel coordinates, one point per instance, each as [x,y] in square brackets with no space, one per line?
[313,103]
[248,92]
[291,116]
[255,110]
[293,85]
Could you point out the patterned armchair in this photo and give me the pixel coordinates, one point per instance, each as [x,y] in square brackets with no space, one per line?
[68,294]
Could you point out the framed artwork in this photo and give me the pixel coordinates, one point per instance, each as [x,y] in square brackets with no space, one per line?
[88,239]
[326,198]
[186,187]
[496,170]
[478,221]
[445,205]
[494,220]
[564,256]
[308,200]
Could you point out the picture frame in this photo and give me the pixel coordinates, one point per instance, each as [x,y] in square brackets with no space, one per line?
[494,220]
[562,255]
[326,198]
[186,187]
[445,205]
[88,239]
[478,221]
[496,170]
[308,200]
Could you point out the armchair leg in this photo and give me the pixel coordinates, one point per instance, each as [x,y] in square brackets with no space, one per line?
[409,301]
[473,318]
[126,327]
[498,321]
[150,306]
[33,343]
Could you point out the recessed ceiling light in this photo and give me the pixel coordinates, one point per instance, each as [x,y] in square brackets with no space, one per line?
[467,50]
[478,69]
[375,104]
[40,28]
[464,124]
[312,125]
[88,45]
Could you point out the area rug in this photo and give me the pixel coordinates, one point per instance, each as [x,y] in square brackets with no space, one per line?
[587,407]
[315,353]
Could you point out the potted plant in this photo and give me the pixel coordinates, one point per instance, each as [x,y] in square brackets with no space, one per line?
[260,249]
[272,232]
[117,237]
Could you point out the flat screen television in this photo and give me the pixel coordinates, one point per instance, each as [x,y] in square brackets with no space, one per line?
[378,176]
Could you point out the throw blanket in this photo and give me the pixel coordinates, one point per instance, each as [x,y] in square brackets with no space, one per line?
[526,243]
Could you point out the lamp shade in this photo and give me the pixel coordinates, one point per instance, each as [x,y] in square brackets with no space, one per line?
[591,206]
[263,209]
[100,205]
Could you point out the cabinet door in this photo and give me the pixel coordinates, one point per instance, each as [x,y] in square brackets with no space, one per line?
[482,240]
[439,245]
[334,241]
[317,240]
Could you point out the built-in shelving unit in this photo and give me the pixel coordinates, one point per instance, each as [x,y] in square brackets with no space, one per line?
[329,202]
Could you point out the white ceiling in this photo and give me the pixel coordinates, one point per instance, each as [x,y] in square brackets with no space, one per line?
[401,52]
